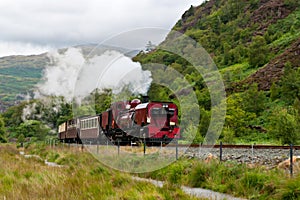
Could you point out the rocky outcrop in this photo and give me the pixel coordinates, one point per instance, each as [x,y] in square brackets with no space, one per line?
[274,70]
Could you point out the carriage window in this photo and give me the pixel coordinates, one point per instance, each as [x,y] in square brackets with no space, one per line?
[92,123]
[96,124]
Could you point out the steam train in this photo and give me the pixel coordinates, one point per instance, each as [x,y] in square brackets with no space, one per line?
[125,122]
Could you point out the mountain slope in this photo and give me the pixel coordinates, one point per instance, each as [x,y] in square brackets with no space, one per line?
[249,34]
[18,75]
[275,68]
[255,45]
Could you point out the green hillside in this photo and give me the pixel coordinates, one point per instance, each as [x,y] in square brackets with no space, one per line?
[255,45]
[18,75]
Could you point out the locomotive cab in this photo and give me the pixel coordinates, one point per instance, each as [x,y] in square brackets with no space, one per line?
[159,121]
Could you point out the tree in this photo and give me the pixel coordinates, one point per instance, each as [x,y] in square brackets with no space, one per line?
[33,128]
[290,85]
[150,46]
[227,135]
[284,126]
[237,119]
[102,100]
[254,100]
[192,135]
[13,115]
[2,130]
[258,52]
[274,91]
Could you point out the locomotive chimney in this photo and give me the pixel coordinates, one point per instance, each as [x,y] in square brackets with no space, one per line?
[145,99]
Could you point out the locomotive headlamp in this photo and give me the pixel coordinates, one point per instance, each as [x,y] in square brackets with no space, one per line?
[172,123]
[148,120]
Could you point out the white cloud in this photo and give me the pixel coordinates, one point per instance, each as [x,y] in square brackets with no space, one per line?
[69,22]
[19,48]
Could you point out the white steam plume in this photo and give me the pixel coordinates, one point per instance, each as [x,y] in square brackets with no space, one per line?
[72,76]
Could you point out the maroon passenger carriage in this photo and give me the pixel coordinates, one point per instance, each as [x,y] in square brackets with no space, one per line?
[68,131]
[89,129]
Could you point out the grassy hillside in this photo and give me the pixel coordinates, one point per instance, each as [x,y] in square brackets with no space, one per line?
[256,46]
[18,75]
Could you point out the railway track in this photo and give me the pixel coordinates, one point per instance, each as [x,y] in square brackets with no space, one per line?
[217,146]
[232,146]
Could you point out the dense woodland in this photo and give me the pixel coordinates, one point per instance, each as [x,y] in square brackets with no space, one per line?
[255,45]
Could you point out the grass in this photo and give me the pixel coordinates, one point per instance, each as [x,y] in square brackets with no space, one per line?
[232,178]
[82,177]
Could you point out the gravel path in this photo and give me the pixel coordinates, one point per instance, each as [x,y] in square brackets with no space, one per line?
[197,192]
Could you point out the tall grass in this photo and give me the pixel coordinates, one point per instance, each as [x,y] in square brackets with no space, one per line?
[231,178]
[81,177]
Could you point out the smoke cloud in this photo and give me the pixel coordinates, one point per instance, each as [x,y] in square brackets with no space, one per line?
[73,76]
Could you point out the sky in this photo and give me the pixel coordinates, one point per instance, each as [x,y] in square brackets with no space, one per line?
[36,26]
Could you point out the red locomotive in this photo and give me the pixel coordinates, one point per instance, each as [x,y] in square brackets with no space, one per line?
[125,122]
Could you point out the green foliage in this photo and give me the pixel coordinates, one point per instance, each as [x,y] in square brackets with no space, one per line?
[21,138]
[258,53]
[239,45]
[52,156]
[254,180]
[284,126]
[237,119]
[231,178]
[285,31]
[2,130]
[52,111]
[290,189]
[192,135]
[228,135]
[274,92]
[13,115]
[288,88]
[254,100]
[33,128]
[203,125]
[199,175]
[102,100]
[290,85]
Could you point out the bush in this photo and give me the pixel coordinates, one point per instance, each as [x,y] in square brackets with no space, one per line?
[290,190]
[284,126]
[199,175]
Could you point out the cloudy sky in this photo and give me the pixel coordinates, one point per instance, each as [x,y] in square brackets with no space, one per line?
[35,26]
